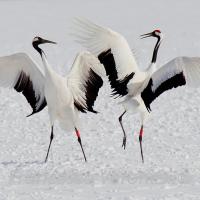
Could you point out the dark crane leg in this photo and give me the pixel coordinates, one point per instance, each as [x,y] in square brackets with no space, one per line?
[124,138]
[51,138]
[140,140]
[79,140]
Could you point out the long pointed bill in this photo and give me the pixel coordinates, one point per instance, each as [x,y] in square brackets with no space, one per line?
[48,41]
[145,35]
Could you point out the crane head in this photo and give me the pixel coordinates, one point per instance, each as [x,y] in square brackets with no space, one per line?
[38,40]
[156,33]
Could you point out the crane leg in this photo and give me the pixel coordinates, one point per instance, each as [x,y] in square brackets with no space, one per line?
[51,138]
[79,140]
[140,140]
[124,138]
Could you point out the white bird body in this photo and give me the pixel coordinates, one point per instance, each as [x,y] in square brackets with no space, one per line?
[140,81]
[60,102]
[61,93]
[56,92]
[134,105]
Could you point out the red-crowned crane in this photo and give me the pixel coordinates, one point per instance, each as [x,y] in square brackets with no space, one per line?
[64,96]
[140,88]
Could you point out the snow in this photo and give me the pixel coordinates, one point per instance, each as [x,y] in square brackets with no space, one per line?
[171,136]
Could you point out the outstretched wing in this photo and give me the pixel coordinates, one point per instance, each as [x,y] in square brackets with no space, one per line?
[84,81]
[19,71]
[177,72]
[112,50]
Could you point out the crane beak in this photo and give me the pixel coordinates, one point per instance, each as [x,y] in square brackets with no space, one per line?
[146,35]
[48,41]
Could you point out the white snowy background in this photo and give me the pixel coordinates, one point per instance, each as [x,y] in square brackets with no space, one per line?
[171,136]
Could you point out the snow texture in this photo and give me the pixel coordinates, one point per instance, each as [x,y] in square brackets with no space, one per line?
[171,136]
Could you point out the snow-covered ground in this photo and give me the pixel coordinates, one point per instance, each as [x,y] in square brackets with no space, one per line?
[172,135]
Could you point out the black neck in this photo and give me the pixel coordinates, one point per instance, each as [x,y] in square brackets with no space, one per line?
[37,48]
[155,52]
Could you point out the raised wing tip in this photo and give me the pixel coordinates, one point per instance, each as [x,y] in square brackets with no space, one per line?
[80,19]
[84,24]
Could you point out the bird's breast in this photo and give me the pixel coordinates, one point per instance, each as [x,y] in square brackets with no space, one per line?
[57,94]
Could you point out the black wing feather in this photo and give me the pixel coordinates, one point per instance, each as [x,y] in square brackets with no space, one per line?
[148,95]
[92,86]
[119,86]
[25,86]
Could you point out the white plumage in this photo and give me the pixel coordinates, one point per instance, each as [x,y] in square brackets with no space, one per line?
[64,96]
[114,53]
[98,39]
[80,74]
[140,88]
[190,66]
[177,72]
